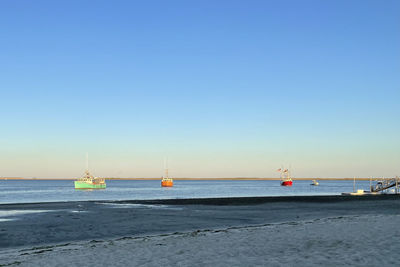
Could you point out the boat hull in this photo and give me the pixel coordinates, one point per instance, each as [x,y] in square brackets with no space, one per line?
[286,183]
[167,183]
[82,185]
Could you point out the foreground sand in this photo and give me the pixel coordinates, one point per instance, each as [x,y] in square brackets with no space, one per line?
[365,240]
[263,231]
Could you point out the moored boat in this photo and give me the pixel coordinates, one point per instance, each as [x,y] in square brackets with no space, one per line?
[88,181]
[166,181]
[314,182]
[360,192]
[286,180]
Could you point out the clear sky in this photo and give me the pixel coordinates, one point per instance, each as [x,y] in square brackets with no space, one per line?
[223,88]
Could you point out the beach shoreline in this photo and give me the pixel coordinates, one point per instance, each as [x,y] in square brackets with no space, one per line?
[68,229]
[251,200]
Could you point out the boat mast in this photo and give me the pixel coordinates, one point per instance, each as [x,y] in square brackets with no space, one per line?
[165,167]
[87,161]
[370,183]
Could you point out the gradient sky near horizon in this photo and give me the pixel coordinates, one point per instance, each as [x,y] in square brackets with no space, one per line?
[223,88]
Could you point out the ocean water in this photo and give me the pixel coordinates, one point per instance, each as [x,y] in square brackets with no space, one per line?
[31,191]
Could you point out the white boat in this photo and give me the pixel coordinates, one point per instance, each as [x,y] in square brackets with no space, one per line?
[314,182]
[360,192]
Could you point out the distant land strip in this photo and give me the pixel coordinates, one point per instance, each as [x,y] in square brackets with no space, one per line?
[204,179]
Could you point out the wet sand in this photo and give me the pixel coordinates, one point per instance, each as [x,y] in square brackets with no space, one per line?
[87,220]
[217,222]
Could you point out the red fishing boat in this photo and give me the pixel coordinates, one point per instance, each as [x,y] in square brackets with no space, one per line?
[286,180]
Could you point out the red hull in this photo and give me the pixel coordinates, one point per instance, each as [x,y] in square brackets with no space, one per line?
[287,183]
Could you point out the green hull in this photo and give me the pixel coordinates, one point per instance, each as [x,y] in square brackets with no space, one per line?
[83,185]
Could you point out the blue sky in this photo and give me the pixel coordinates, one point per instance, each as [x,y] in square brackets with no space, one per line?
[223,88]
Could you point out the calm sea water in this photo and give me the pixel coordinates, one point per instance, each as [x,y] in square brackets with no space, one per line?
[14,191]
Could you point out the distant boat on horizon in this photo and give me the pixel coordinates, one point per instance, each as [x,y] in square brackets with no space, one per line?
[314,182]
[88,181]
[286,180]
[166,181]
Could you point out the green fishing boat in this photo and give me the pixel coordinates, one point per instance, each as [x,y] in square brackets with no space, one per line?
[90,182]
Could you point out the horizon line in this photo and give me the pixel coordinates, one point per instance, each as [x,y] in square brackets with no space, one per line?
[205,178]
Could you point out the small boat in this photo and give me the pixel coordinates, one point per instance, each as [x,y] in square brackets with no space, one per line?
[314,182]
[167,181]
[286,180]
[88,181]
[360,192]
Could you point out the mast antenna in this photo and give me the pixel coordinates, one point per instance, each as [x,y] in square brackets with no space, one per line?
[165,167]
[87,161]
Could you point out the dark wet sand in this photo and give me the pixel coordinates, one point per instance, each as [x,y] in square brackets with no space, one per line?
[97,220]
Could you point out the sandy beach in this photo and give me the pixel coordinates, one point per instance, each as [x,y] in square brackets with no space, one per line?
[285,231]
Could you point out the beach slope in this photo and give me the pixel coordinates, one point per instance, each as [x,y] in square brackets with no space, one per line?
[341,232]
